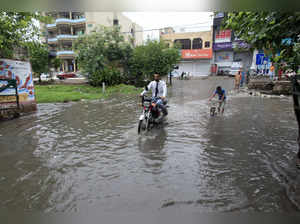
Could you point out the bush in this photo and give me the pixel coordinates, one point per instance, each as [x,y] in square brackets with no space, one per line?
[111,76]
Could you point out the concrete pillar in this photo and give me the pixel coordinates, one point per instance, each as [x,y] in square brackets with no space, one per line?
[70,15]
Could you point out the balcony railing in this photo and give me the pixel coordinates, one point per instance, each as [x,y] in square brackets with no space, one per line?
[52,40]
[53,25]
[70,21]
[65,53]
[66,21]
[66,36]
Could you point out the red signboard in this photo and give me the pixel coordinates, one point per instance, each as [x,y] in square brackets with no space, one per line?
[197,54]
[223,36]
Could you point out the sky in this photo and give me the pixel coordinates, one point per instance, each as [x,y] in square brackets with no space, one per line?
[180,21]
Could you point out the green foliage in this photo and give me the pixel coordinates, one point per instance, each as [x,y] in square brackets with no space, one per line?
[153,57]
[38,55]
[15,29]
[63,93]
[55,62]
[109,75]
[266,30]
[103,55]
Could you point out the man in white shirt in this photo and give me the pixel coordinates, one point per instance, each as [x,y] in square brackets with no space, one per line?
[159,90]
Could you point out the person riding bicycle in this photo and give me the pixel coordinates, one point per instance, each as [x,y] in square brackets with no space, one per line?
[222,98]
[159,93]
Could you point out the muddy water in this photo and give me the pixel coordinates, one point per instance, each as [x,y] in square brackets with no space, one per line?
[87,155]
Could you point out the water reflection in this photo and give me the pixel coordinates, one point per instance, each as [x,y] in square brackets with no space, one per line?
[70,156]
[152,150]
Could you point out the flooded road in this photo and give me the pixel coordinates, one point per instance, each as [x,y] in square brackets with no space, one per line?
[87,155]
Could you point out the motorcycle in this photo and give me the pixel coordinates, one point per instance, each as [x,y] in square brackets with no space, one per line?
[151,113]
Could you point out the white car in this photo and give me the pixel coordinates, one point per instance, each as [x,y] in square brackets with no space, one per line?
[45,77]
[235,67]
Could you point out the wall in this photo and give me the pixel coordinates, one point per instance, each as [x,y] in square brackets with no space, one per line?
[204,35]
[94,19]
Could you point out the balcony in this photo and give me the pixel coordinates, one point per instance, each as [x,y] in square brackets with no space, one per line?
[69,21]
[52,40]
[66,54]
[65,21]
[51,26]
[52,53]
[66,37]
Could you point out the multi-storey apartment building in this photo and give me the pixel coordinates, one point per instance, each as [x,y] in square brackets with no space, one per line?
[67,26]
[196,50]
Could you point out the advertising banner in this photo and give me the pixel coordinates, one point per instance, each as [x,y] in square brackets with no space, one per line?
[21,72]
[222,46]
[240,44]
[197,54]
[223,36]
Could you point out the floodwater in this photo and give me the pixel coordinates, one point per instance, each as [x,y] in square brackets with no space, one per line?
[85,155]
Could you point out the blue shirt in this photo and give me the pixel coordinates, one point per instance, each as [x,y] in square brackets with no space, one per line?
[221,94]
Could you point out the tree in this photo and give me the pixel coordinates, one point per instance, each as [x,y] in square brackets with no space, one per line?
[39,58]
[55,62]
[153,57]
[271,31]
[16,28]
[103,55]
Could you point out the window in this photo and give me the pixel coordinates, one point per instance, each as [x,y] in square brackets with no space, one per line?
[197,43]
[183,43]
[90,25]
[207,44]
[116,22]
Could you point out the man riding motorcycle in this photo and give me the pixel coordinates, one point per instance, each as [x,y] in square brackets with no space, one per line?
[159,93]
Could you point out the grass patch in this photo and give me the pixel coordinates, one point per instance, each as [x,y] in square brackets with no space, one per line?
[65,93]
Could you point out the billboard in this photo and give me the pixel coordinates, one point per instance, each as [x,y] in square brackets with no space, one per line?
[222,36]
[222,46]
[21,72]
[197,54]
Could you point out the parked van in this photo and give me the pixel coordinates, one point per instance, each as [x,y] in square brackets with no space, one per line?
[235,67]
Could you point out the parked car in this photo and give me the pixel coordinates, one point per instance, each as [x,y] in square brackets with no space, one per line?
[235,67]
[66,75]
[45,77]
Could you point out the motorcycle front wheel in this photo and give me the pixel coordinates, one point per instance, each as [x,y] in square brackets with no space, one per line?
[140,126]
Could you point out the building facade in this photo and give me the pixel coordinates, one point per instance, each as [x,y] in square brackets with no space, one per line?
[67,26]
[196,50]
[227,48]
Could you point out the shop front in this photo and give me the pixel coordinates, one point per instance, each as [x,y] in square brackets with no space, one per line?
[197,62]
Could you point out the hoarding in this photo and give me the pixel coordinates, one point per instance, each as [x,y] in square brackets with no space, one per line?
[222,46]
[197,54]
[21,72]
[222,36]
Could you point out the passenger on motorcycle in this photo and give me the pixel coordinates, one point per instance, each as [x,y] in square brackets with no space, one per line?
[159,93]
